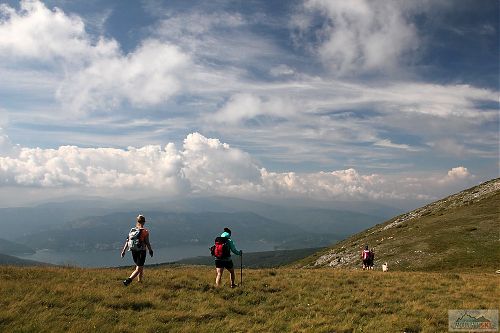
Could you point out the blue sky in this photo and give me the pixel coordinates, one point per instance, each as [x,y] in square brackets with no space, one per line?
[347,100]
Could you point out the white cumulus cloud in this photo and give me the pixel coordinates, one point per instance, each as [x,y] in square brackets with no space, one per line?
[340,184]
[204,166]
[211,165]
[37,32]
[459,173]
[70,166]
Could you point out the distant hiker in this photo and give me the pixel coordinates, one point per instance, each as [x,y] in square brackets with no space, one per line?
[222,249]
[372,259]
[137,242]
[365,256]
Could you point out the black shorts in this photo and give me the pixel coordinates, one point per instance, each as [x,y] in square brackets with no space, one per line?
[366,262]
[224,263]
[139,257]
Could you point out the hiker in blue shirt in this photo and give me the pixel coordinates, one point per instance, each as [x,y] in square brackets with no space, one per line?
[223,247]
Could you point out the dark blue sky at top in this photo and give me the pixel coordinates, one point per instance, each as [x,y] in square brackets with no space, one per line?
[462,44]
[443,59]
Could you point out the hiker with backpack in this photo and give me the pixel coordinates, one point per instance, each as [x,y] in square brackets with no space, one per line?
[137,242]
[372,258]
[221,250]
[365,256]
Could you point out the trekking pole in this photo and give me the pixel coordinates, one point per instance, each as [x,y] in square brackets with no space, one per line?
[241,269]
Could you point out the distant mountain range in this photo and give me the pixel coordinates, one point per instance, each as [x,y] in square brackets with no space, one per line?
[100,224]
[457,233]
[13,248]
[172,229]
[6,260]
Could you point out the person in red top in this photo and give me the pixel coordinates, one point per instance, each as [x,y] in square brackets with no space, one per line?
[139,254]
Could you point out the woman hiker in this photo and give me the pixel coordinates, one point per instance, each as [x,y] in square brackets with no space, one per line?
[224,245]
[137,242]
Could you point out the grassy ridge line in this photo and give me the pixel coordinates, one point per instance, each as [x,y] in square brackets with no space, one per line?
[452,234]
[183,299]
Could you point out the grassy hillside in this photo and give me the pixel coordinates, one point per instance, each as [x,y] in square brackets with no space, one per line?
[183,299]
[457,233]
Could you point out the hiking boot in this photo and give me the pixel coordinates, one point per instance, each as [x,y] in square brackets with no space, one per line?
[127,281]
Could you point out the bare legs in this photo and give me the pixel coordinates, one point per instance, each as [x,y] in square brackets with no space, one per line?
[231,271]
[139,271]
[219,276]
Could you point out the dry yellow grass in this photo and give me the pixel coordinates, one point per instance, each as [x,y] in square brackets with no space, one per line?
[183,299]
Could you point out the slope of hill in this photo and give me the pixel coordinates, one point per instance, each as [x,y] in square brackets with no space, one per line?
[460,233]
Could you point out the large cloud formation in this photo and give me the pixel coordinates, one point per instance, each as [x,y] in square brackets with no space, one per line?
[206,62]
[203,166]
[95,74]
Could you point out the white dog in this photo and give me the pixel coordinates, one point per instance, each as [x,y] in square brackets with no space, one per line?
[385,268]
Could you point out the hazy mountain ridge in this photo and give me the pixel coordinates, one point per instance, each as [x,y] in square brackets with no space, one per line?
[23,221]
[7,260]
[451,233]
[9,247]
[320,216]
[27,220]
[72,225]
[170,229]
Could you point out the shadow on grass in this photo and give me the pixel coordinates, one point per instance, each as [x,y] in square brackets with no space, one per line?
[136,306]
